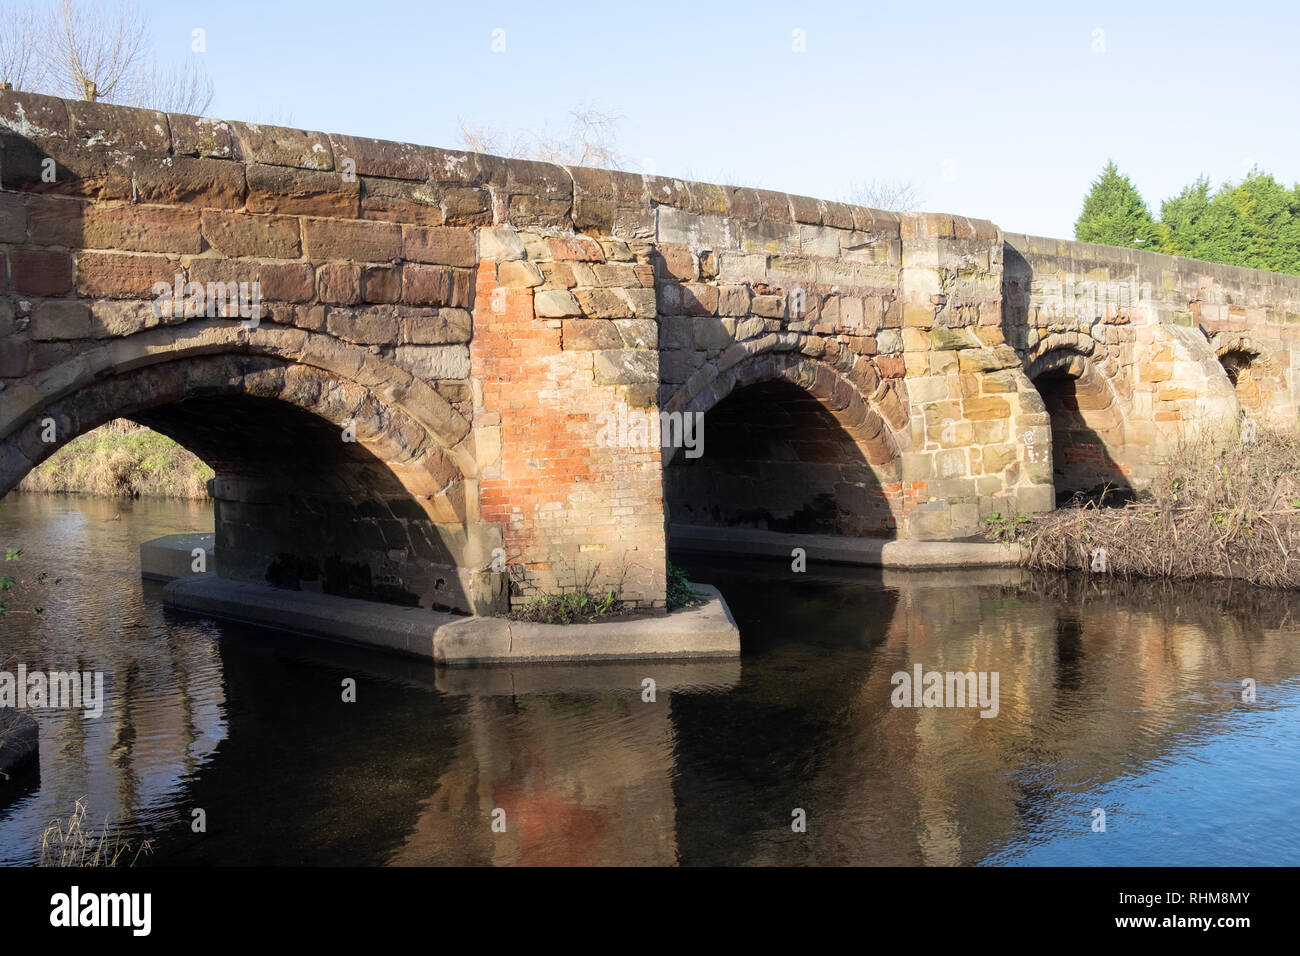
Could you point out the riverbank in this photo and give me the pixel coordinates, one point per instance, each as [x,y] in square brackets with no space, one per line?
[1212,512]
[121,459]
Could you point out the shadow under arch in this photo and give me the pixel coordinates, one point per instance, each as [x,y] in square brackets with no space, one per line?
[299,503]
[1087,422]
[790,444]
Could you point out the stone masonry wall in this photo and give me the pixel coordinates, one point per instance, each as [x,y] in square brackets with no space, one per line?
[1150,332]
[490,331]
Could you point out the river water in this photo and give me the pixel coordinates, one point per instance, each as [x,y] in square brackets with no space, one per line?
[1125,698]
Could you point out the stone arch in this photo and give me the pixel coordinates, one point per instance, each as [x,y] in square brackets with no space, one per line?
[1257,380]
[870,408]
[799,448]
[391,384]
[1087,412]
[390,508]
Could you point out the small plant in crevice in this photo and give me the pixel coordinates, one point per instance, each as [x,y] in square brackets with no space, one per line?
[570,607]
[680,592]
[1006,529]
[582,603]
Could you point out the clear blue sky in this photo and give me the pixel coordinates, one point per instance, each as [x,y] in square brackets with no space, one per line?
[1003,112]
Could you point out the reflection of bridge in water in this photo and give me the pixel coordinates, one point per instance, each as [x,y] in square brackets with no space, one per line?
[1095,685]
[1098,682]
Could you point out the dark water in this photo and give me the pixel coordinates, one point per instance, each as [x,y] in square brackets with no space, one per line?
[1125,698]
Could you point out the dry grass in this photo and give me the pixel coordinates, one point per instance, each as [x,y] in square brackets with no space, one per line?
[1213,512]
[72,843]
[121,459]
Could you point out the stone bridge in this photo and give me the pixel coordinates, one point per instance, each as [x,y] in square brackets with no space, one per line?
[445,362]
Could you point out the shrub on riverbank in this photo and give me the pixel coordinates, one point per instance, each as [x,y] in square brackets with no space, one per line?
[121,459]
[1211,512]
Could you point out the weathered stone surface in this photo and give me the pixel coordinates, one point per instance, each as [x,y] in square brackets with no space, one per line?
[119,127]
[40,271]
[61,319]
[626,367]
[118,317]
[435,361]
[241,234]
[13,217]
[210,183]
[362,156]
[380,284]
[351,239]
[279,189]
[434,326]
[439,246]
[393,200]
[281,146]
[519,274]
[339,283]
[556,304]
[604,304]
[500,245]
[198,136]
[427,285]
[589,334]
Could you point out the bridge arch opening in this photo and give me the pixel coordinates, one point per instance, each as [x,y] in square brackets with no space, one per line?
[320,485]
[1087,426]
[788,447]
[1246,372]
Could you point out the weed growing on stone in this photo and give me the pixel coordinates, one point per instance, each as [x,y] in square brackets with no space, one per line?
[680,592]
[1005,529]
[572,607]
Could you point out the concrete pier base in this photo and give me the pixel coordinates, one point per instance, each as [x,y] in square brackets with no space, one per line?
[172,556]
[872,552]
[704,631]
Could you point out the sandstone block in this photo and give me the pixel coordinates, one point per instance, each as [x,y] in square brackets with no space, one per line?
[242,234]
[436,245]
[626,367]
[60,319]
[556,304]
[119,275]
[278,189]
[40,271]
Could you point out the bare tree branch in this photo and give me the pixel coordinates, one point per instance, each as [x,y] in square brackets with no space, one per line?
[20,67]
[174,89]
[590,141]
[91,57]
[887,194]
